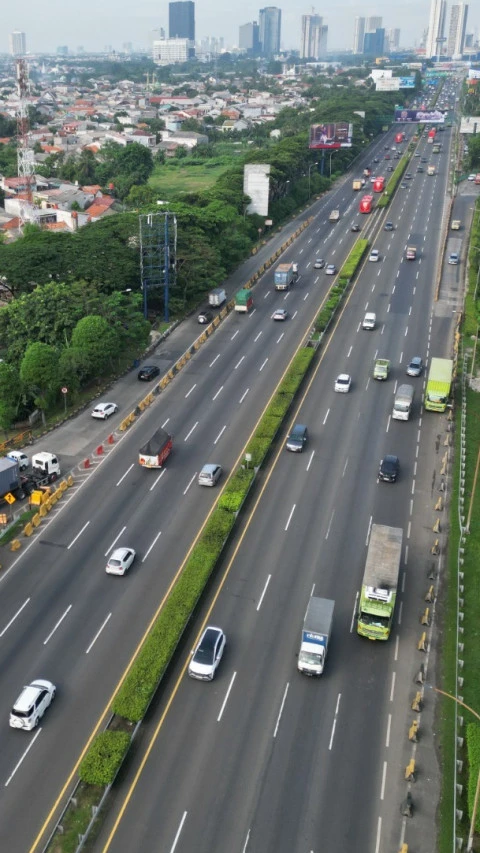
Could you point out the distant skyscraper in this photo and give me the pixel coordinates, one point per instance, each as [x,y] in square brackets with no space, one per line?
[374,43]
[456,30]
[314,37]
[270,22]
[372,24]
[358,35]
[62,50]
[249,39]
[436,28]
[18,44]
[181,20]
[393,39]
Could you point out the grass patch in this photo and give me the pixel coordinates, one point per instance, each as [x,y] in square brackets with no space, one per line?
[17,526]
[76,819]
[171,180]
[471,623]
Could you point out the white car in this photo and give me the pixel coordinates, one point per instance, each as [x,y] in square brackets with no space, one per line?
[208,654]
[104,410]
[19,457]
[470,177]
[331,269]
[280,314]
[453,258]
[374,255]
[369,321]
[343,383]
[120,561]
[32,704]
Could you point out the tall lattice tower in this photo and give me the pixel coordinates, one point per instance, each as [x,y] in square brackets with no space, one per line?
[25,155]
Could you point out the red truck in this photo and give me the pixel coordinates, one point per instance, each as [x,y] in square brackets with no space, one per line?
[365,205]
[379,185]
[157,450]
[431,134]
[399,137]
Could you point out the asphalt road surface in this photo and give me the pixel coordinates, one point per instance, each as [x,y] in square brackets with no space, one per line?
[265,759]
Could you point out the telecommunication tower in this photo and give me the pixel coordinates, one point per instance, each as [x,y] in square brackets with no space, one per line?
[25,154]
[158,255]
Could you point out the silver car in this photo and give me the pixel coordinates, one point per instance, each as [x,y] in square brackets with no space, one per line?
[415,367]
[209,475]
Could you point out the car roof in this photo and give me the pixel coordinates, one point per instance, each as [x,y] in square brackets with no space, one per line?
[210,636]
[390,458]
[209,468]
[342,376]
[30,693]
[103,405]
[416,360]
[119,553]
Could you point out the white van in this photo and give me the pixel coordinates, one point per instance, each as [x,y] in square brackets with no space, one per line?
[403,402]
[369,321]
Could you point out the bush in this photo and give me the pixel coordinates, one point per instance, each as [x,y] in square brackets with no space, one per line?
[473,747]
[104,758]
[258,448]
[236,491]
[268,426]
[217,528]
[279,405]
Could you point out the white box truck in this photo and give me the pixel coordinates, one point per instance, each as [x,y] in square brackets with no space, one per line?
[316,631]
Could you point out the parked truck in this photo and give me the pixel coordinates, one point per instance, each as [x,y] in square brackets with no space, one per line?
[365,205]
[243,301]
[317,627]
[45,470]
[403,402]
[284,276]
[217,297]
[157,450]
[411,253]
[381,368]
[334,215]
[380,581]
[439,384]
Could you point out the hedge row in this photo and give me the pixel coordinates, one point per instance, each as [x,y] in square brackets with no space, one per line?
[136,692]
[473,748]
[102,761]
[336,293]
[393,181]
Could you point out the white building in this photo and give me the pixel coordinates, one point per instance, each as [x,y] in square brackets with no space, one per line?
[358,35]
[372,24]
[313,43]
[171,51]
[456,30]
[18,43]
[436,28]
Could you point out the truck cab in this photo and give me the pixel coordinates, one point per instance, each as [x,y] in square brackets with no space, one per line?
[45,467]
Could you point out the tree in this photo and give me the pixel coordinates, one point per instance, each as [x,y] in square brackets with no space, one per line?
[97,342]
[9,394]
[39,374]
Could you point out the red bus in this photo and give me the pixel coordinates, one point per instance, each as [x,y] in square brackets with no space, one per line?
[431,134]
[399,137]
[365,205]
[379,185]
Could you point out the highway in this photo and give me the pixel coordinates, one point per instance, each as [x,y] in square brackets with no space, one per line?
[62,617]
[264,759]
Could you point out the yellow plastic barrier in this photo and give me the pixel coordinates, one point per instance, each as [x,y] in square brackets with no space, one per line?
[36,520]
[28,529]
[15,544]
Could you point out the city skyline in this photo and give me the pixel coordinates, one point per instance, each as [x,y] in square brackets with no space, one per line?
[115,24]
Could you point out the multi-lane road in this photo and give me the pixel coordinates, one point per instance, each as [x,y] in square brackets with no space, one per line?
[262,759]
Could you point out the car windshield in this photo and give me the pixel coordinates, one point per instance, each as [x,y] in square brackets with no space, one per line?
[310,658]
[374,619]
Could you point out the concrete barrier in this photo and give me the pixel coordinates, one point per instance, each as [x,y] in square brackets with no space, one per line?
[420,676]
[430,596]
[422,645]
[425,617]
[417,703]
[435,549]
[410,771]
[439,504]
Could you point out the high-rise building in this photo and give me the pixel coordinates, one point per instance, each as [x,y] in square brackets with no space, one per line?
[374,43]
[249,38]
[170,51]
[270,23]
[358,35]
[18,44]
[393,37]
[313,43]
[456,30]
[181,20]
[62,50]
[372,24]
[436,28]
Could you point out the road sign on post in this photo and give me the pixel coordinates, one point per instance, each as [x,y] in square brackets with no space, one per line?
[65,392]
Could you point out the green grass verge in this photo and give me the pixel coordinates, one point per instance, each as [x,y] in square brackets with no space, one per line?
[171,180]
[17,526]
[76,820]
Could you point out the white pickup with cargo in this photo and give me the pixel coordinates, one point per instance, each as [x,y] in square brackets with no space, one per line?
[334,215]
[402,405]
[317,627]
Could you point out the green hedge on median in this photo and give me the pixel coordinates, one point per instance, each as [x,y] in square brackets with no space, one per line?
[104,758]
[473,748]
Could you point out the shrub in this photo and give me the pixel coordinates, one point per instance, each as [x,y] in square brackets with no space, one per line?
[473,747]
[258,448]
[103,759]
[217,528]
[268,426]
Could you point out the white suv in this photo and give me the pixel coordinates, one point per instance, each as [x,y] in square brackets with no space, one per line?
[32,704]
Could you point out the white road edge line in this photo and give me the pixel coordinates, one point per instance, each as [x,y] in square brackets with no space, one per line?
[175,840]
[227,694]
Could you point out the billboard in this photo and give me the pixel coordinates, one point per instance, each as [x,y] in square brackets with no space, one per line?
[380,74]
[474,74]
[470,124]
[338,135]
[425,116]
[386,84]
[256,184]
[407,82]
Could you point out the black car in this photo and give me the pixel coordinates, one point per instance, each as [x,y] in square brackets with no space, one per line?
[297,439]
[205,317]
[389,468]
[355,227]
[149,371]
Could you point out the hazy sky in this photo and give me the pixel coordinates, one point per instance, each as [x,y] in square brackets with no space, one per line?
[97,23]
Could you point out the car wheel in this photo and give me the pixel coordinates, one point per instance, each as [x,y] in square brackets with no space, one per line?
[53,695]
[36,722]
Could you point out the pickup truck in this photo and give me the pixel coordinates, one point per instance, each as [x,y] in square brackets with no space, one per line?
[456,224]
[381,368]
[411,253]
[334,215]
